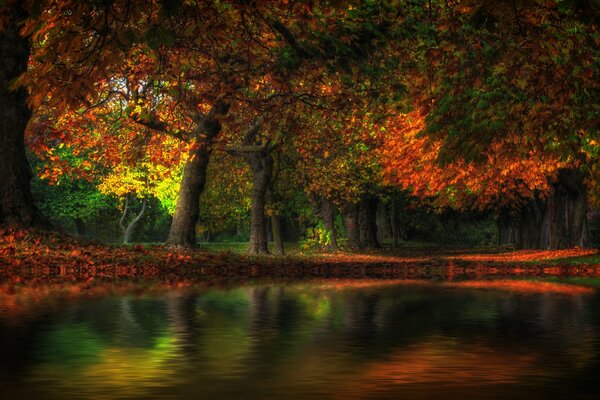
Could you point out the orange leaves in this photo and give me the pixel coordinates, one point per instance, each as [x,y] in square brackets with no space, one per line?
[528,255]
[410,161]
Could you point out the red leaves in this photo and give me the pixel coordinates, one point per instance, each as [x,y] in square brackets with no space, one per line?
[528,255]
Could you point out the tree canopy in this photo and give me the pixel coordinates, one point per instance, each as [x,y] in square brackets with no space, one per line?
[341,107]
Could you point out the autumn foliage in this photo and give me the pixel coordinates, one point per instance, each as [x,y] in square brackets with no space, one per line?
[329,109]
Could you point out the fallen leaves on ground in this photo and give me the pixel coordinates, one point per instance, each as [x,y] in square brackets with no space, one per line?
[528,255]
[35,253]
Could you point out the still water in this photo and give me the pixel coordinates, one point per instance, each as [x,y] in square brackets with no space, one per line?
[330,339]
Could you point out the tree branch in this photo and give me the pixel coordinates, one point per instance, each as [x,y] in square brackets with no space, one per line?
[289,37]
[125,210]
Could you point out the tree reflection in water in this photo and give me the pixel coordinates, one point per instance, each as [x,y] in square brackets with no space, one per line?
[319,337]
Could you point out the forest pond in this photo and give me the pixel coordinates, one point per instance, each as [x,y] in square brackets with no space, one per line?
[327,338]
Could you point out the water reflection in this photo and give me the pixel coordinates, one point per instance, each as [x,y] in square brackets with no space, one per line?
[326,339]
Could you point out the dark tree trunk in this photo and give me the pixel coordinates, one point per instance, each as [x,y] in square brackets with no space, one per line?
[277,236]
[187,211]
[555,221]
[382,222]
[351,225]
[394,223]
[129,229]
[508,227]
[261,165]
[367,224]
[269,231]
[533,225]
[567,210]
[16,202]
[327,214]
[258,154]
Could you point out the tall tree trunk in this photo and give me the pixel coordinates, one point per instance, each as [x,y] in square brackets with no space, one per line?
[258,154]
[261,165]
[269,230]
[183,228]
[367,225]
[533,224]
[277,235]
[381,221]
[187,211]
[508,227]
[351,225]
[567,209]
[394,222]
[129,229]
[16,202]
[558,220]
[327,214]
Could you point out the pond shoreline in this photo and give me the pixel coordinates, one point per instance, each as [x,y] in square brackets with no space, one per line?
[31,254]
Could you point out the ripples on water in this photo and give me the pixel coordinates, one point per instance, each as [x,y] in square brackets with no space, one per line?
[335,338]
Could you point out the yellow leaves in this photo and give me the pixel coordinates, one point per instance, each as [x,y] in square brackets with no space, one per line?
[144,179]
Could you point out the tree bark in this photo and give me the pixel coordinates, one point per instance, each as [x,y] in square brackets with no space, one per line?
[367,224]
[351,225]
[381,221]
[183,228]
[394,222]
[327,214]
[16,202]
[130,228]
[533,224]
[567,209]
[558,220]
[261,165]
[508,227]
[258,153]
[277,235]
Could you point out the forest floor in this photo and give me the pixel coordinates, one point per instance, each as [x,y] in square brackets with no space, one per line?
[51,251]
[48,269]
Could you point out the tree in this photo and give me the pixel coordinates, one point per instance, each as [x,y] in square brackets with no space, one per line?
[516,188]
[514,81]
[16,202]
[226,200]
[61,42]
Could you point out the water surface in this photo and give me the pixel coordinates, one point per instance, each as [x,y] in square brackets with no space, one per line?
[329,338]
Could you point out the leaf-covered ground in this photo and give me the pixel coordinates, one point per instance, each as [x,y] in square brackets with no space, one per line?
[48,269]
[53,253]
